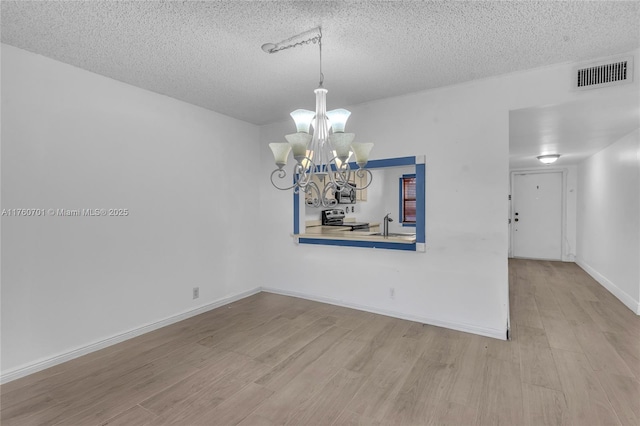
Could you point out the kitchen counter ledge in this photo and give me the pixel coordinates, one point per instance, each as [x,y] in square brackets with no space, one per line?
[358,236]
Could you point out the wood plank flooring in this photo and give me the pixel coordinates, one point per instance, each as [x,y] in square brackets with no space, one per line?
[574,359]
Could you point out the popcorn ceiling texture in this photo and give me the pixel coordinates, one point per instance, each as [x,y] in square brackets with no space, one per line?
[208,53]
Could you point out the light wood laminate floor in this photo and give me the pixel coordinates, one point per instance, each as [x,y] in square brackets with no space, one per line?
[269,359]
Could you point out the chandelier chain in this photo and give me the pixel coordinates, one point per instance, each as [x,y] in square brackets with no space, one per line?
[290,43]
[320,49]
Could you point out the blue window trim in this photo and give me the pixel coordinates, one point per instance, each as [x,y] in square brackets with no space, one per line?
[401,198]
[421,220]
[296,209]
[353,243]
[420,209]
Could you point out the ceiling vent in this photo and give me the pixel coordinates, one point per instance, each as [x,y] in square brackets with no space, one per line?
[603,73]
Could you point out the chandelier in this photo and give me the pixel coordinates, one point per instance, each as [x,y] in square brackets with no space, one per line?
[322,166]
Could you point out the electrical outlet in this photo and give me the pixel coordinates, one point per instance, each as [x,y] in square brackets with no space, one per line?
[196,292]
[392,293]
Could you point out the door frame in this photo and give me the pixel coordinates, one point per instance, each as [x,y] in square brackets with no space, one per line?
[512,175]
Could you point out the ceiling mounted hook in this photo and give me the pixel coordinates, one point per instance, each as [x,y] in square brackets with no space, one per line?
[310,36]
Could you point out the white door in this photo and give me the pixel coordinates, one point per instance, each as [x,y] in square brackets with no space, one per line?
[536,220]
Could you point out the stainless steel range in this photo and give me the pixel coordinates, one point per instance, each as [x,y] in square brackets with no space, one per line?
[335,217]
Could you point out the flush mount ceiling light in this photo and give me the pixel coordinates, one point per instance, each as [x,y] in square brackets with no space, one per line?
[322,159]
[548,159]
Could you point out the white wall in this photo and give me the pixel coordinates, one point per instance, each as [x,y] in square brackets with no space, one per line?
[609,218]
[461,281]
[73,139]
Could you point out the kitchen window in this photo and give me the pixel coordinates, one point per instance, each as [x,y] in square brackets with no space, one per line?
[386,176]
[408,200]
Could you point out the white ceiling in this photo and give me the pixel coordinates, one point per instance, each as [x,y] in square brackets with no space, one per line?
[208,53]
[576,130]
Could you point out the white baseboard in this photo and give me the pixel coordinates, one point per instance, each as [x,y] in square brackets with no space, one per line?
[629,301]
[83,350]
[467,328]
[75,353]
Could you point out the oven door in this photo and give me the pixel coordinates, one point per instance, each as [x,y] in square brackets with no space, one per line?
[346,196]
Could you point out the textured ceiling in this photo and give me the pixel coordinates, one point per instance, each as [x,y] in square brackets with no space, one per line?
[208,53]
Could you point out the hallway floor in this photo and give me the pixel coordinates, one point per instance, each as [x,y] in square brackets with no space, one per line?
[579,346]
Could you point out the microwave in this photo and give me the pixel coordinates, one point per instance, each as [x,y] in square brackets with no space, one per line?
[346,195]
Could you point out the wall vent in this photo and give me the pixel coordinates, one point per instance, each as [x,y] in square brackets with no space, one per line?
[603,73]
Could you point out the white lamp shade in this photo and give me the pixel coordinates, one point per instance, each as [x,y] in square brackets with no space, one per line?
[303,118]
[340,162]
[548,159]
[338,119]
[341,142]
[280,152]
[361,151]
[298,142]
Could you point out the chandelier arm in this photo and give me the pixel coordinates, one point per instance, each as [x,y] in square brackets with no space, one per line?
[348,179]
[343,174]
[331,173]
[281,175]
[329,202]
[340,182]
[362,173]
[326,201]
[312,190]
[344,177]
[332,184]
[305,173]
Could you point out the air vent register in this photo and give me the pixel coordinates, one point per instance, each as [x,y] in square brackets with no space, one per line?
[604,73]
